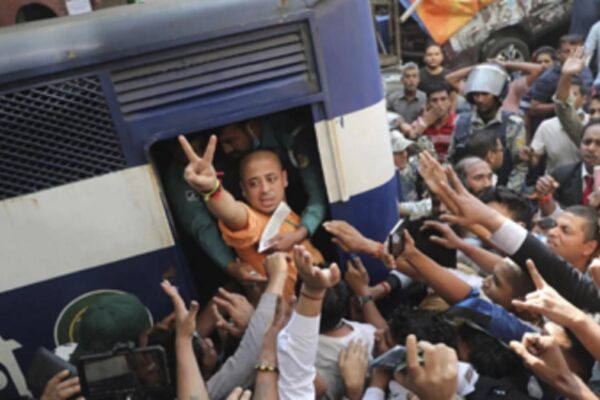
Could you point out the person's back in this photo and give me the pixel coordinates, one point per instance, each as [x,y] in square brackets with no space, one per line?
[552,140]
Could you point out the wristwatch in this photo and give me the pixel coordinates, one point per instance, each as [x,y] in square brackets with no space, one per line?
[362,300]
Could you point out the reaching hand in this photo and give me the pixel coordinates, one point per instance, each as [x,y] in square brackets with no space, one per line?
[436,379]
[546,301]
[545,185]
[349,239]
[244,273]
[239,394]
[276,265]
[432,172]
[315,279]
[284,241]
[353,362]
[209,356]
[542,354]
[185,321]
[575,63]
[449,239]
[61,388]
[357,277]
[469,209]
[200,173]
[237,307]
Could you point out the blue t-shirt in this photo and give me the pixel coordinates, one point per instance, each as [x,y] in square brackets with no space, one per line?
[545,86]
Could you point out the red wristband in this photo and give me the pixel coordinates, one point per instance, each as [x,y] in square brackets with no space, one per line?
[547,198]
[379,251]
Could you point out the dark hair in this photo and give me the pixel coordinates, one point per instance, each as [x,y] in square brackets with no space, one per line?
[591,220]
[595,97]
[336,305]
[571,38]
[575,81]
[544,50]
[490,358]
[479,145]
[437,86]
[426,325]
[591,123]
[516,203]
[431,43]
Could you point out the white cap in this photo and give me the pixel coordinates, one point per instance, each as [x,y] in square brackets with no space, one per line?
[399,142]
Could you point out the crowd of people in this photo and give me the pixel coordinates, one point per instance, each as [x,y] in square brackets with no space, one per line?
[493,281]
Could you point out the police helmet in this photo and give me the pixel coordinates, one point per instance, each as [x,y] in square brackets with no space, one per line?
[487,78]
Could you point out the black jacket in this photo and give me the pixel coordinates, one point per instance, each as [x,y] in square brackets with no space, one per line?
[570,192]
[562,276]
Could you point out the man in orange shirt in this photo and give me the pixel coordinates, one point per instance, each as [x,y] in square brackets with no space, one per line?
[263,181]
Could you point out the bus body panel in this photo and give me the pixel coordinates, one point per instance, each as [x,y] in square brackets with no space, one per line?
[337,75]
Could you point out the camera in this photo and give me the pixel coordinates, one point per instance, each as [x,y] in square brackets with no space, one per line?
[124,373]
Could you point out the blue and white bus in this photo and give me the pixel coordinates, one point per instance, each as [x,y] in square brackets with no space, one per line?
[84,101]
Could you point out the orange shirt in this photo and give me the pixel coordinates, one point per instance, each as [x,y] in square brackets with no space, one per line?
[245,242]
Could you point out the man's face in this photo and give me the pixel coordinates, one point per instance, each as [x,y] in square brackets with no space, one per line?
[410,79]
[590,147]
[568,239]
[578,98]
[440,99]
[433,57]
[545,60]
[479,177]
[235,140]
[595,108]
[485,103]
[497,286]
[401,159]
[565,51]
[263,184]
[496,157]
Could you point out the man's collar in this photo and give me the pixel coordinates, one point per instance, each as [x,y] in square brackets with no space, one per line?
[479,121]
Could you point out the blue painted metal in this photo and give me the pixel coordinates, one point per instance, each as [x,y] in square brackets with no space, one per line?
[42,302]
[374,215]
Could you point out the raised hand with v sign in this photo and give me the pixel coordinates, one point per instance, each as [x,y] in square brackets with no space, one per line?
[200,173]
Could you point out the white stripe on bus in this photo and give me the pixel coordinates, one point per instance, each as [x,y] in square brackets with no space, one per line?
[81,225]
[356,152]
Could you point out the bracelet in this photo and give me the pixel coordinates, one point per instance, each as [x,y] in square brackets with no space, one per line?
[266,366]
[213,193]
[547,198]
[315,298]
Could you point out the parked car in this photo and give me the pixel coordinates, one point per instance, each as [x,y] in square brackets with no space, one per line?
[507,28]
[20,11]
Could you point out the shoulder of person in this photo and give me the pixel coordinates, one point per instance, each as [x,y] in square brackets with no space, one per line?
[564,171]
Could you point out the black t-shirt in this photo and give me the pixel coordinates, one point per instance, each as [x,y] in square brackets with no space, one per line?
[428,79]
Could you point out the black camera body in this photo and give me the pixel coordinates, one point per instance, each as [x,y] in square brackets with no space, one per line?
[124,373]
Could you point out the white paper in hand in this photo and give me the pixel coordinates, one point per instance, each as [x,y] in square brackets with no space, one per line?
[272,228]
[75,7]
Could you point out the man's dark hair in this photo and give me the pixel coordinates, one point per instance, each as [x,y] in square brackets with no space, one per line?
[479,145]
[575,81]
[591,220]
[437,86]
[431,43]
[544,50]
[489,357]
[571,38]
[424,324]
[336,305]
[591,123]
[516,203]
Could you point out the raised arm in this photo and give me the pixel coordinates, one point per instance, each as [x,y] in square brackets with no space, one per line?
[564,109]
[451,288]
[190,384]
[201,175]
[531,70]
[455,78]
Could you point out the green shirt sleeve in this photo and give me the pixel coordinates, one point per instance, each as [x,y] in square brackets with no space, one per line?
[307,161]
[192,215]
[568,118]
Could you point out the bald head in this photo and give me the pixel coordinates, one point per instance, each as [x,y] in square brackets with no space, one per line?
[256,155]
